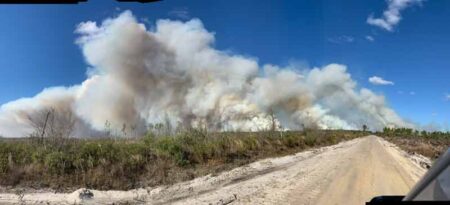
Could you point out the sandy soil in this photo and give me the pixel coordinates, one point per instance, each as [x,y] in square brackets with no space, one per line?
[351,172]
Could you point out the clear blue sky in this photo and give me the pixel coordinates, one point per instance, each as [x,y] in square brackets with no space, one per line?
[38,50]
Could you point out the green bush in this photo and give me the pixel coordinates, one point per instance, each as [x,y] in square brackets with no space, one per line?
[310,140]
[57,162]
[172,148]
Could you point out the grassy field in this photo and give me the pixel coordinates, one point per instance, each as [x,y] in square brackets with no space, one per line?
[429,144]
[67,164]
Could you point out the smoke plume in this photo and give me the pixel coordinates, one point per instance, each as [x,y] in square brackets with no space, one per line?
[139,76]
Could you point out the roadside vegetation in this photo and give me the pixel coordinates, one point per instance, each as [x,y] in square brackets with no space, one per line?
[65,164]
[51,158]
[429,144]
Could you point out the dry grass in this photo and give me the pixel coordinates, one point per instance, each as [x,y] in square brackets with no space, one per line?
[68,164]
[428,147]
[429,144]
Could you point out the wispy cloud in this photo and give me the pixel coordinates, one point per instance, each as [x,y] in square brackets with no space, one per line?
[392,15]
[379,81]
[412,93]
[370,38]
[88,27]
[447,97]
[341,39]
[182,13]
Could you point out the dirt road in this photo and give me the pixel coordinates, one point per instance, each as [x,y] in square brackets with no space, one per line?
[347,173]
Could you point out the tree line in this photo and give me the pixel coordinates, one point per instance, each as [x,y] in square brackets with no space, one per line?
[408,132]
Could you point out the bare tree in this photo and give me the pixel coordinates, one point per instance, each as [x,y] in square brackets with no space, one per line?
[124,130]
[38,120]
[167,125]
[52,123]
[273,120]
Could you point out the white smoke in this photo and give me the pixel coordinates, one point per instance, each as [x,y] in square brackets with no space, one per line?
[172,72]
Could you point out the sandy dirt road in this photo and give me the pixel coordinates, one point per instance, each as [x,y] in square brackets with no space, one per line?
[351,172]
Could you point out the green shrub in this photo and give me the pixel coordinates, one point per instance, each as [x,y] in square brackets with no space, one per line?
[172,148]
[56,162]
[310,140]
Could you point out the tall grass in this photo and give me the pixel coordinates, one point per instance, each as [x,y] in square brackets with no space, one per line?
[67,164]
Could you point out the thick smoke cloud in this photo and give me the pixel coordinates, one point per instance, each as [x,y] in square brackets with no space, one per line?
[173,73]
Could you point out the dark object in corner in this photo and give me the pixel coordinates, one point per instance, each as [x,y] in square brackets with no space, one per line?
[41,1]
[63,1]
[380,199]
[140,1]
[394,200]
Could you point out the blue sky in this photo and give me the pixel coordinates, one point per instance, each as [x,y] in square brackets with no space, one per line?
[38,50]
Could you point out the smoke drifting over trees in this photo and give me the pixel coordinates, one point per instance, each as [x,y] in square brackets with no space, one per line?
[173,73]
